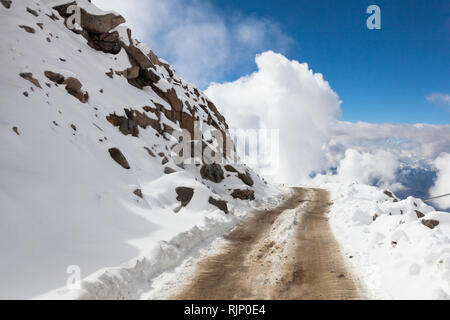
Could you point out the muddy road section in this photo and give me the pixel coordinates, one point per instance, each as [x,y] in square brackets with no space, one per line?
[288,252]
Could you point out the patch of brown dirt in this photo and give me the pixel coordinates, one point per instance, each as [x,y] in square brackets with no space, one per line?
[255,265]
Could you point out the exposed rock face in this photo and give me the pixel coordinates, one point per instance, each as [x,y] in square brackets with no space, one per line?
[133,119]
[29,77]
[118,156]
[419,214]
[221,204]
[150,152]
[97,24]
[243,194]
[55,77]
[130,73]
[185,195]
[98,31]
[6,3]
[169,170]
[138,192]
[106,42]
[73,87]
[230,168]
[27,29]
[246,178]
[430,223]
[31,11]
[73,84]
[212,172]
[100,24]
[155,60]
[390,195]
[171,98]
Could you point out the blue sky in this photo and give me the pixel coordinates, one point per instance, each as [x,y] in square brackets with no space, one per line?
[380,75]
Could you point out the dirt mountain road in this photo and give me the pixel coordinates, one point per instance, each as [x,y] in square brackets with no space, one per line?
[288,252]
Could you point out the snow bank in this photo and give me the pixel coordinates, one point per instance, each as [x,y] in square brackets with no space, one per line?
[388,243]
[132,279]
[63,200]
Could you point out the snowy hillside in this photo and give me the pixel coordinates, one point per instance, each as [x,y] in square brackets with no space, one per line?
[87,174]
[400,248]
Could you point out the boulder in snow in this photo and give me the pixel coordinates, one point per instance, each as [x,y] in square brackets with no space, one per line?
[212,172]
[118,156]
[243,194]
[430,223]
[185,195]
[221,204]
[6,3]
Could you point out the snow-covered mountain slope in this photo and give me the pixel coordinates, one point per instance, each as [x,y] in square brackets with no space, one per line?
[87,174]
[400,248]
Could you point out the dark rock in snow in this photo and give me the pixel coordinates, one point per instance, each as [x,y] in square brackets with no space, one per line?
[185,195]
[34,13]
[246,178]
[16,130]
[29,77]
[55,77]
[390,195]
[221,204]
[73,84]
[419,214]
[27,29]
[212,172]
[138,192]
[73,87]
[243,194]
[6,3]
[169,170]
[129,123]
[150,152]
[96,24]
[117,155]
[230,168]
[430,223]
[110,73]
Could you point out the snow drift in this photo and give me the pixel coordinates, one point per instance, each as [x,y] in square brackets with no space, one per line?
[400,248]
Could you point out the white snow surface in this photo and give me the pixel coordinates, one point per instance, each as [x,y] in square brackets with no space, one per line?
[63,200]
[396,256]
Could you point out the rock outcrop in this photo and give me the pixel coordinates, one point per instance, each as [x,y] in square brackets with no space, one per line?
[184,195]
[430,223]
[221,204]
[212,172]
[243,194]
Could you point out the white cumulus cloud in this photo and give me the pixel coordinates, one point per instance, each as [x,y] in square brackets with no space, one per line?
[288,96]
[372,168]
[442,183]
[439,98]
